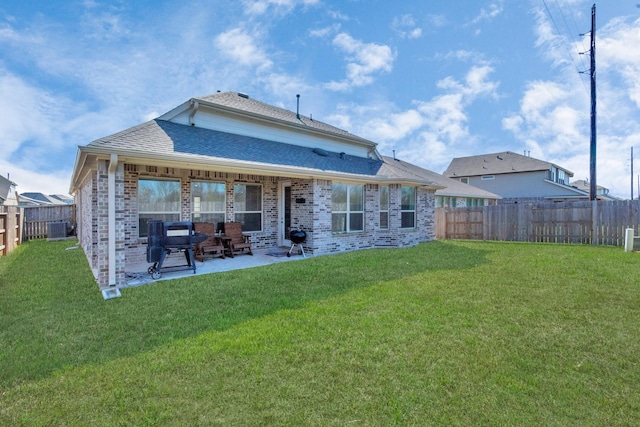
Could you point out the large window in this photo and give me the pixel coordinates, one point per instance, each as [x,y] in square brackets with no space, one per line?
[157,199]
[384,206]
[347,208]
[247,206]
[408,207]
[208,202]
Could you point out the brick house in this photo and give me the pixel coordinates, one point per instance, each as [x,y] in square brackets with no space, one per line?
[227,157]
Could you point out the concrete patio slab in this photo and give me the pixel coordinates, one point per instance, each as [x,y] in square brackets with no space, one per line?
[137,274]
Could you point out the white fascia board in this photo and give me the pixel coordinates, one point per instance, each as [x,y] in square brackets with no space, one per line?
[169,115]
[79,165]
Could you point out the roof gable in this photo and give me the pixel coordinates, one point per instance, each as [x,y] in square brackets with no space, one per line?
[244,103]
[495,164]
[238,113]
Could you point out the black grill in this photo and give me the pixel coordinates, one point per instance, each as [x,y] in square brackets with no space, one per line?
[166,237]
[297,237]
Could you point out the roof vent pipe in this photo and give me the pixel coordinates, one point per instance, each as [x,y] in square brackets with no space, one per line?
[298,106]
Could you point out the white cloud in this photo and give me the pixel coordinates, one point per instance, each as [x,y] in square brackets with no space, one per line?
[241,47]
[617,53]
[325,31]
[365,60]
[31,180]
[436,21]
[260,7]
[405,26]
[430,132]
[26,113]
[554,116]
[489,14]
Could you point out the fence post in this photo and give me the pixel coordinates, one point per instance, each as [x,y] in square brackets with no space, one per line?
[594,227]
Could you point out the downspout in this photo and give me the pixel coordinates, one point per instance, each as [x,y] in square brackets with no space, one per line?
[194,110]
[113,164]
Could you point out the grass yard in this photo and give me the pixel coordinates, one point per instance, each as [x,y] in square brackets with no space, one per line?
[445,333]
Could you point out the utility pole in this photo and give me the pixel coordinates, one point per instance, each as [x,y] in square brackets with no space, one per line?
[631,173]
[592,164]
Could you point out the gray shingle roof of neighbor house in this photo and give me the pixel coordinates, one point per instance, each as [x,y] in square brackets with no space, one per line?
[451,187]
[495,164]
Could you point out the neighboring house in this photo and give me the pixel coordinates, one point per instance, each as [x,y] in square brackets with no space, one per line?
[602,193]
[40,199]
[515,177]
[227,157]
[454,194]
[7,192]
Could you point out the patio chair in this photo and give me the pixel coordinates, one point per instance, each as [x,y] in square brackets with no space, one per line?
[237,241]
[212,245]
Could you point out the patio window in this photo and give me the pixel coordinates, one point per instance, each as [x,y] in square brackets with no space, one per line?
[347,208]
[408,207]
[384,206]
[247,206]
[208,202]
[157,199]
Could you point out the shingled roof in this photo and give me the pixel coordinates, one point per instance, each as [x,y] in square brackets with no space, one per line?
[187,142]
[448,186]
[495,164]
[169,142]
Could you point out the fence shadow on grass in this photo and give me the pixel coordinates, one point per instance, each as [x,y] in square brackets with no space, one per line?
[54,317]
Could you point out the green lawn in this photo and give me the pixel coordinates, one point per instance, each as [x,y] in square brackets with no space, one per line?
[445,333]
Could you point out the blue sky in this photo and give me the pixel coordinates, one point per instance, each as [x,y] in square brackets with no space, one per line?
[432,80]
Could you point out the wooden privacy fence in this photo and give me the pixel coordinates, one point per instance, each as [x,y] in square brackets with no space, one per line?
[10,221]
[601,222]
[37,219]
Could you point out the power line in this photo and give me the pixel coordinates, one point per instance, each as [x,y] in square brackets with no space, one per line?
[564,43]
[569,31]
